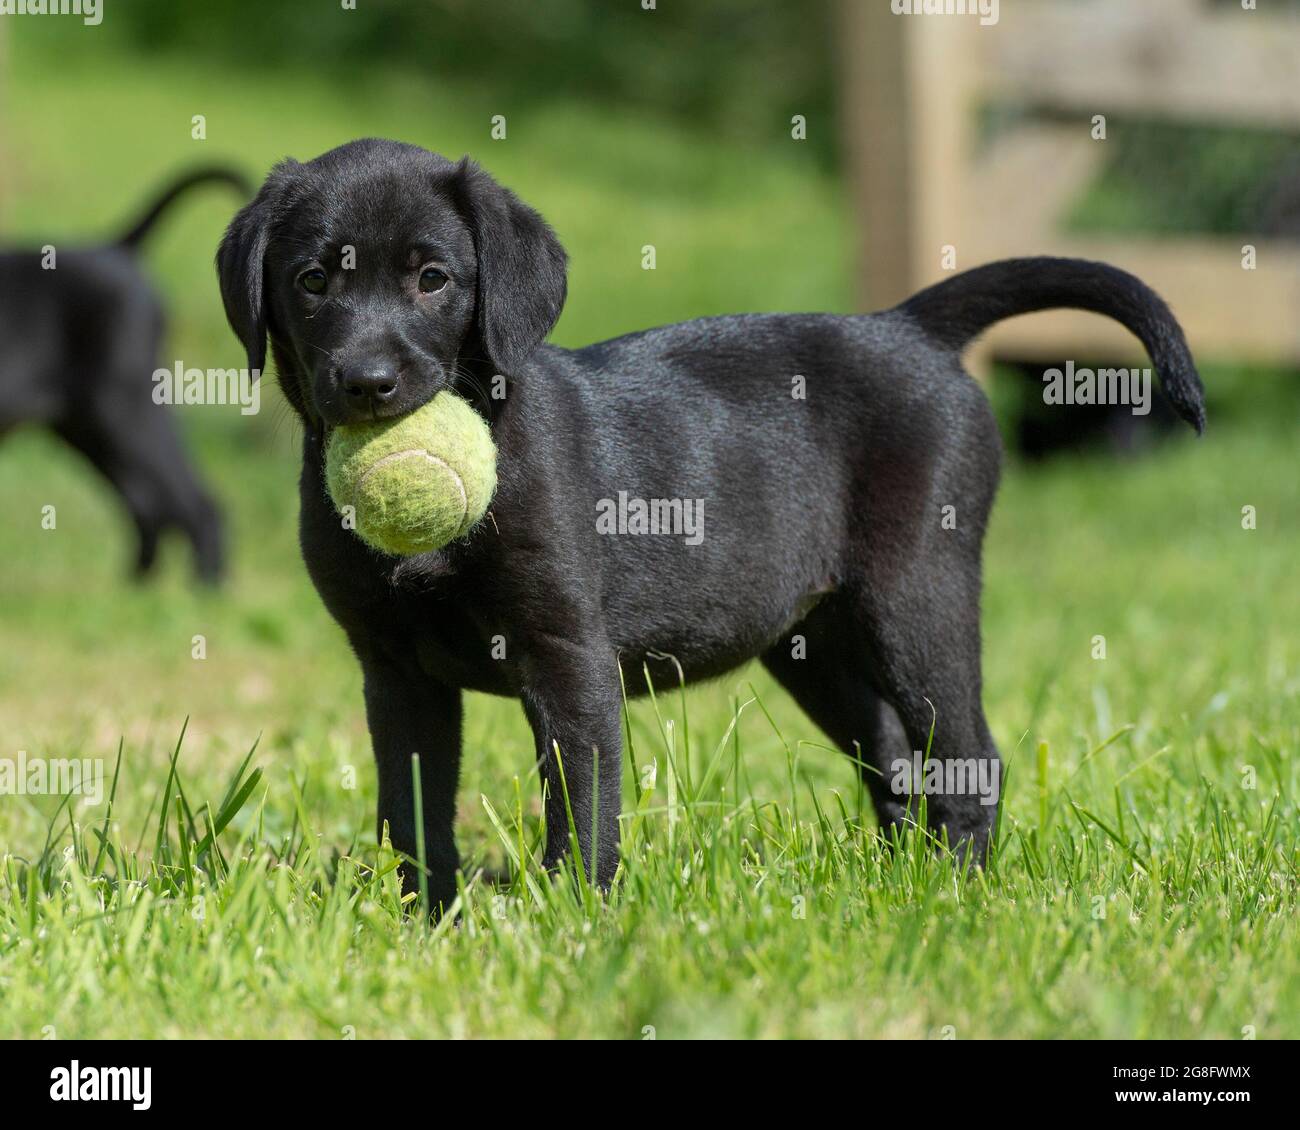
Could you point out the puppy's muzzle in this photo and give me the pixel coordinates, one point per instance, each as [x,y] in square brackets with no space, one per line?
[369,384]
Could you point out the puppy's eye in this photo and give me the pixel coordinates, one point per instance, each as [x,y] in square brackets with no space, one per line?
[432,279]
[313,281]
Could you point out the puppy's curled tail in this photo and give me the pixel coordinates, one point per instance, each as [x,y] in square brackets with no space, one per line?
[134,235]
[956,311]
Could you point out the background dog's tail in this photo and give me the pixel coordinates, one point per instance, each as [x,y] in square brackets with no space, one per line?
[956,311]
[218,174]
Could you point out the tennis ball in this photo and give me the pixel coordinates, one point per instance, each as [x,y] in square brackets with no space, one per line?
[417,481]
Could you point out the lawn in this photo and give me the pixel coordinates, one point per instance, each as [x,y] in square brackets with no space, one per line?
[1146,882]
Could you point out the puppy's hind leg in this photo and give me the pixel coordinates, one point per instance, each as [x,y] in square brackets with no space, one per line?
[914,592]
[824,664]
[927,665]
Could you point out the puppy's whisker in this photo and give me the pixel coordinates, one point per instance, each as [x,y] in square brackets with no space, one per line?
[284,411]
[462,376]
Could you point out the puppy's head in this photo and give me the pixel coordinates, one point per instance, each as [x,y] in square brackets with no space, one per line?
[383,273]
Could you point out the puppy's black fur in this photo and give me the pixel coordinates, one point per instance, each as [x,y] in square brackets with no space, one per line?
[823,516]
[78,345]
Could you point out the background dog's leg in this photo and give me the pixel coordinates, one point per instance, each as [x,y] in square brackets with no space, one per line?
[409,714]
[141,455]
[576,704]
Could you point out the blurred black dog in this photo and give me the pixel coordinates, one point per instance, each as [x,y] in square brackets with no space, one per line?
[844,525]
[78,346]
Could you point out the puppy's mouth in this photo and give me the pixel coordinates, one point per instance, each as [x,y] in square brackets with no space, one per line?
[346,415]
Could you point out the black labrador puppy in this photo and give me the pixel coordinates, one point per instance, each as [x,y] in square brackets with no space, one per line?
[838,474]
[78,346]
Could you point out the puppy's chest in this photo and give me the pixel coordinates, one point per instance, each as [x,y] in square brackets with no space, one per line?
[439,629]
[462,658]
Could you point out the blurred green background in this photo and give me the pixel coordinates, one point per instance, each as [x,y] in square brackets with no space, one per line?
[622,137]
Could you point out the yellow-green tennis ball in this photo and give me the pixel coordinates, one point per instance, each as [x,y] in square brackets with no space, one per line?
[417,481]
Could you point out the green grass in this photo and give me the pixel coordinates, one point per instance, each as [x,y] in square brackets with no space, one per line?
[224,895]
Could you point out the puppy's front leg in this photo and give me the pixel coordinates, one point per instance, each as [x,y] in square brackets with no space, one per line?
[574,701]
[410,714]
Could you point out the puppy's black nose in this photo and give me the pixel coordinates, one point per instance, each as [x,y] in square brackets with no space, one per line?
[377,382]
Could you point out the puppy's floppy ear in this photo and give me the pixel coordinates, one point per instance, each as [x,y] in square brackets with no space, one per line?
[522,279]
[241,260]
